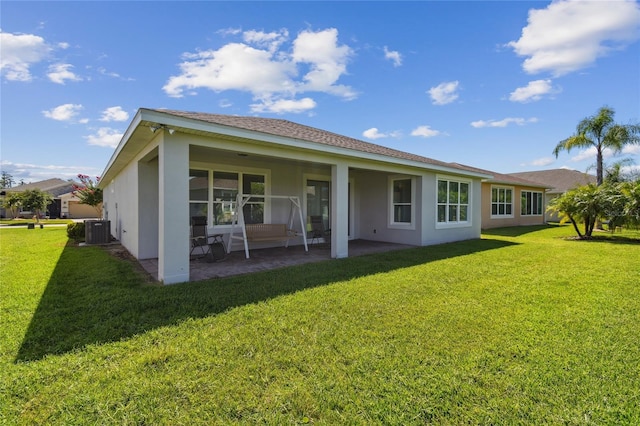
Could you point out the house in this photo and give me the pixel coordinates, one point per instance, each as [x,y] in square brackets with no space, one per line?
[55,187]
[509,200]
[172,165]
[559,181]
[64,204]
[72,208]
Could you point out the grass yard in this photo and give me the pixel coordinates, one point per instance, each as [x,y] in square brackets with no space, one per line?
[525,326]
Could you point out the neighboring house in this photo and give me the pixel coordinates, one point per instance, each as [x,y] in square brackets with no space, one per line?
[509,200]
[559,181]
[171,165]
[55,187]
[72,208]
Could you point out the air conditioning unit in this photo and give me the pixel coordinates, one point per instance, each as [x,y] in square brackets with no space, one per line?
[97,231]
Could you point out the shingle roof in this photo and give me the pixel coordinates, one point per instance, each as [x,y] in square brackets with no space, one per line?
[54,186]
[289,129]
[560,180]
[505,178]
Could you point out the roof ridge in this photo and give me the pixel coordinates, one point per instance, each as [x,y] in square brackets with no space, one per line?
[294,130]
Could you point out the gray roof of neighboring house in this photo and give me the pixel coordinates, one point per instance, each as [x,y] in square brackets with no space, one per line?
[54,186]
[289,129]
[506,179]
[560,180]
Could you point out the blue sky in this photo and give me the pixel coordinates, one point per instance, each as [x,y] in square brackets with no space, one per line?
[495,85]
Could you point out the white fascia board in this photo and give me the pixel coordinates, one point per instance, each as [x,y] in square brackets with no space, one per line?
[171,120]
[135,122]
[145,115]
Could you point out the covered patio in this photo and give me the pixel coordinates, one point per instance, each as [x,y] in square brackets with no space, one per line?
[266,259]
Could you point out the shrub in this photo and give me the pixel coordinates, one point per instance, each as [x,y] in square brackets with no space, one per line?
[75,231]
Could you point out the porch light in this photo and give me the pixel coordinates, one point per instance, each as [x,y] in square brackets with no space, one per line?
[155,128]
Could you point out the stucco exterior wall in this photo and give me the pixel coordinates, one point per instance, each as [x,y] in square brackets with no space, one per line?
[147,199]
[518,219]
[81,211]
[372,221]
[435,233]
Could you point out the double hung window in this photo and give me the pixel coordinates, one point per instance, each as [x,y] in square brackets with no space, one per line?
[402,202]
[453,202]
[501,202]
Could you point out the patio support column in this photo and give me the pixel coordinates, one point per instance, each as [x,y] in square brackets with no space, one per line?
[173,226]
[339,210]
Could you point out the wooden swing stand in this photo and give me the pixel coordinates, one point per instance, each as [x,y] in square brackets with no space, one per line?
[266,232]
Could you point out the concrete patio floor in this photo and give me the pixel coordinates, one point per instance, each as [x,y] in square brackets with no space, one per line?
[235,263]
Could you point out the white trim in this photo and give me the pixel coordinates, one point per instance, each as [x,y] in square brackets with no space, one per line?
[211,168]
[542,203]
[469,222]
[498,215]
[391,213]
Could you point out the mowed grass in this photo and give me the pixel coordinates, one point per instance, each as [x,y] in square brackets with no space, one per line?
[525,326]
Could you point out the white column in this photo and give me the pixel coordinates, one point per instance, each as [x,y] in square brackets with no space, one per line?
[339,210]
[173,227]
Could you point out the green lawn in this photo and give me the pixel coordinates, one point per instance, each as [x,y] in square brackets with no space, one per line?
[525,326]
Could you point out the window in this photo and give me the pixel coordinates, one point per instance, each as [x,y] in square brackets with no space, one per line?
[198,192]
[531,203]
[225,191]
[402,205]
[501,201]
[225,187]
[453,202]
[254,208]
[318,200]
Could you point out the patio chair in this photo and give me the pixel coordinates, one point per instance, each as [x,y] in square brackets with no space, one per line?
[317,229]
[200,239]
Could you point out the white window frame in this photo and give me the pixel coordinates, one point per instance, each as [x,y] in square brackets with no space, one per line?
[392,224]
[469,204]
[241,171]
[505,215]
[541,204]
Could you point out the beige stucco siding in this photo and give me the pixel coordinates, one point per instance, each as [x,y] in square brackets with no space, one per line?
[516,219]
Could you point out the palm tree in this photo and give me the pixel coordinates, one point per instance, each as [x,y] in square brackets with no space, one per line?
[601,132]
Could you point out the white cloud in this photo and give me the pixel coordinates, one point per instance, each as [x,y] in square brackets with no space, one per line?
[541,162]
[631,149]
[425,132]
[106,137]
[234,66]
[374,133]
[504,122]
[37,172]
[633,169]
[394,56]
[19,53]
[284,105]
[591,153]
[272,41]
[327,61]
[64,112]
[58,73]
[534,91]
[569,35]
[444,93]
[115,113]
[229,31]
[262,66]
